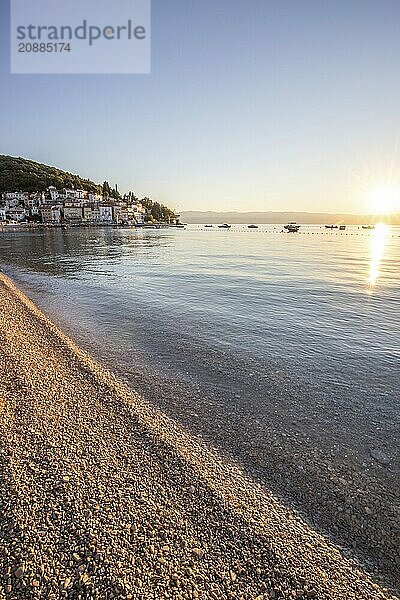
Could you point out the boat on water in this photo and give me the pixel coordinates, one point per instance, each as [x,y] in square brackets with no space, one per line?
[292,227]
[224,226]
[252,226]
[342,228]
[331,226]
[178,225]
[14,224]
[208,225]
[368,226]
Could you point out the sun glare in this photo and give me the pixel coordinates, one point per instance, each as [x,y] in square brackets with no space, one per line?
[385,199]
[378,244]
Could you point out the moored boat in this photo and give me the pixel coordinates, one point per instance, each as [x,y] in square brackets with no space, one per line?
[224,226]
[292,227]
[368,226]
[331,226]
[252,226]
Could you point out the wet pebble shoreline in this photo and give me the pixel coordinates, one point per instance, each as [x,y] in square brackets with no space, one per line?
[104,496]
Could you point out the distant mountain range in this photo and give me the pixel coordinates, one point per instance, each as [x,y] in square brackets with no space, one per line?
[201,217]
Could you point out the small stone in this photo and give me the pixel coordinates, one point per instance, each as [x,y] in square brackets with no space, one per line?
[232,575]
[198,552]
[379,456]
[66,478]
[35,583]
[19,572]
[76,557]
[66,583]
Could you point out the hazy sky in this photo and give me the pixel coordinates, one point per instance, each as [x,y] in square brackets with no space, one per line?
[251,105]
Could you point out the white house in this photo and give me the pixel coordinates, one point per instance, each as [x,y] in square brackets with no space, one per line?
[120,212]
[137,212]
[106,214]
[56,214]
[69,194]
[10,196]
[93,197]
[18,213]
[54,194]
[12,202]
[81,194]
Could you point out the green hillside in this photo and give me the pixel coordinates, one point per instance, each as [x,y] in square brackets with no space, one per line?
[20,174]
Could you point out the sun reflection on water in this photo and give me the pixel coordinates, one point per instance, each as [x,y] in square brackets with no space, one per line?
[378,244]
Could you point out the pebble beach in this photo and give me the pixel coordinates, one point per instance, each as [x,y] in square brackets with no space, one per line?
[104,496]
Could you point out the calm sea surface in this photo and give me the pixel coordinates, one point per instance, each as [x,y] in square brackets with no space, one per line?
[282,350]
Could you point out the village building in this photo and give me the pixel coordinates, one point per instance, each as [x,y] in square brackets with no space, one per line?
[50,214]
[91,213]
[120,213]
[17,213]
[106,214]
[54,194]
[73,214]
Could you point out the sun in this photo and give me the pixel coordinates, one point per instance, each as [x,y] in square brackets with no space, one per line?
[385,199]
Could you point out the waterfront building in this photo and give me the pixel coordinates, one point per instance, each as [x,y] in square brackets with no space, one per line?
[106,213]
[91,213]
[120,213]
[17,213]
[73,214]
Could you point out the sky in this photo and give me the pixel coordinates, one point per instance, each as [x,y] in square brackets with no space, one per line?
[250,105]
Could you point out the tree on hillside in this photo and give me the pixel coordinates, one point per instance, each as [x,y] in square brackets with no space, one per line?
[106,190]
[115,193]
[20,174]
